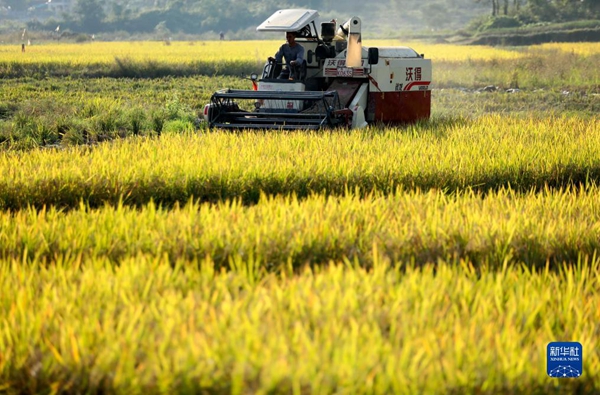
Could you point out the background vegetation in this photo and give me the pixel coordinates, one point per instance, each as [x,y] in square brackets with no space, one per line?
[444,19]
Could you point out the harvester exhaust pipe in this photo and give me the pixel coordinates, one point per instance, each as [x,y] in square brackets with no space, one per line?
[354,52]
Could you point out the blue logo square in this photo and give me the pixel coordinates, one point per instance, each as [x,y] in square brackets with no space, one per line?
[564,360]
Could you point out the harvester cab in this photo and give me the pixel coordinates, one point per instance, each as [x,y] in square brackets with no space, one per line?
[341,83]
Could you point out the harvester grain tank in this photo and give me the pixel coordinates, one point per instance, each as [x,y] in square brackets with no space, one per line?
[341,83]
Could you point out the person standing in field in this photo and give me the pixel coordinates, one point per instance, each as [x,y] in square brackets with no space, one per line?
[23,37]
[292,52]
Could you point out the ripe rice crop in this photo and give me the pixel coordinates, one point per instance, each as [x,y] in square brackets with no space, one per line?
[440,257]
[147,326]
[125,59]
[484,154]
[586,49]
[106,52]
[211,51]
[420,227]
[450,52]
[155,59]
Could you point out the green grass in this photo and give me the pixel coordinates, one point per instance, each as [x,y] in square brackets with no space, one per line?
[124,67]
[86,111]
[550,70]
[547,27]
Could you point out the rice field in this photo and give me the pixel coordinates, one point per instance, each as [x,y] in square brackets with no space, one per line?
[540,230]
[217,51]
[148,326]
[142,253]
[570,65]
[490,153]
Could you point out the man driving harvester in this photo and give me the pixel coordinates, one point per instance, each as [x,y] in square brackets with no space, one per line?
[293,54]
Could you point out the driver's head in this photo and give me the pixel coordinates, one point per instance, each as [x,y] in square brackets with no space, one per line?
[290,37]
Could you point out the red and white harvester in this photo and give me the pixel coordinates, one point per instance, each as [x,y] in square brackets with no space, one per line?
[341,83]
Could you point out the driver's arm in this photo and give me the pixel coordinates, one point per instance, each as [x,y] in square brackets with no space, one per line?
[278,56]
[299,55]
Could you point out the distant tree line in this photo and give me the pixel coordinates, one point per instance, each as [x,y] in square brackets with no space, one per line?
[95,16]
[199,16]
[546,10]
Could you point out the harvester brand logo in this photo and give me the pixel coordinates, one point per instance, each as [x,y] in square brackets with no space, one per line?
[337,68]
[564,360]
[335,63]
[413,74]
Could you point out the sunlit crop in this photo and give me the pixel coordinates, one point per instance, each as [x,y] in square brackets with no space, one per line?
[483,154]
[254,51]
[538,229]
[575,48]
[106,52]
[151,326]
[449,52]
[143,253]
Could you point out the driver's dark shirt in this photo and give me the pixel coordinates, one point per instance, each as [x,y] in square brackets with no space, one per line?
[290,53]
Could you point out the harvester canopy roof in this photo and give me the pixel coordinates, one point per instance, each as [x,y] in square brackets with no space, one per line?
[288,20]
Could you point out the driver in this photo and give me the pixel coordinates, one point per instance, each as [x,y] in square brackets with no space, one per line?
[293,54]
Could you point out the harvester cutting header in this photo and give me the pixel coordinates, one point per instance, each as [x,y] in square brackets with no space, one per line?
[336,82]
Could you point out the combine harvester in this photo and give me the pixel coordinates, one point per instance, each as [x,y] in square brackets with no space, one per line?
[340,83]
